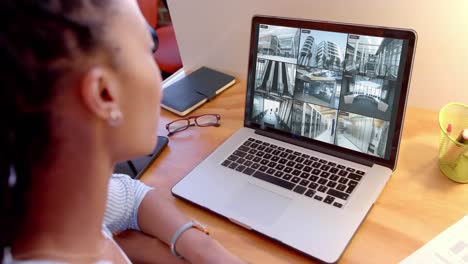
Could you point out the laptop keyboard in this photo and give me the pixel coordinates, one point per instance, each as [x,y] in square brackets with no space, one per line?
[319,179]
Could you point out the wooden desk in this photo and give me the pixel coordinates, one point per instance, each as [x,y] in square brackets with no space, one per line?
[418,202]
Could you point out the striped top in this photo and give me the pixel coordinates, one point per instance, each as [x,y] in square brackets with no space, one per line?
[123,200]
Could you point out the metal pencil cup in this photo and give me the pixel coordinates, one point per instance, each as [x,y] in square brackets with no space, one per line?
[453,154]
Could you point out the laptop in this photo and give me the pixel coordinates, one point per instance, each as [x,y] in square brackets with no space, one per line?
[323,118]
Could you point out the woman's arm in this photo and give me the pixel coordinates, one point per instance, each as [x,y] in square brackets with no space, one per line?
[133,205]
[142,248]
[159,218]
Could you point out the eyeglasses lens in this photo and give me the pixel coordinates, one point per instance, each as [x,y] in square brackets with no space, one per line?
[178,125]
[207,120]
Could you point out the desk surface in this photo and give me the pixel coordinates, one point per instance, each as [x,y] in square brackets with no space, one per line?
[418,202]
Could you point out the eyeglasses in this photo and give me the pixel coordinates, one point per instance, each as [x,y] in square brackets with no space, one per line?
[201,121]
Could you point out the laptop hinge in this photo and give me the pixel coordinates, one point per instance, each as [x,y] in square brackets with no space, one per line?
[240,223]
[315,147]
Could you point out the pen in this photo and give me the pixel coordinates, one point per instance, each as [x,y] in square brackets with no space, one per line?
[445,142]
[463,137]
[450,151]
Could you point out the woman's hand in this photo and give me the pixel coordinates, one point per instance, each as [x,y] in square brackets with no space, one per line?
[142,248]
[214,253]
[199,248]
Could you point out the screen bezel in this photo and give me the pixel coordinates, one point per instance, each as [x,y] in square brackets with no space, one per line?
[405,34]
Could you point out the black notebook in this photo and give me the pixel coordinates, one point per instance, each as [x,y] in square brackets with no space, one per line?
[195,89]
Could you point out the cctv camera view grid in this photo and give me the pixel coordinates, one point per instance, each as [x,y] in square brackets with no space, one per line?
[333,87]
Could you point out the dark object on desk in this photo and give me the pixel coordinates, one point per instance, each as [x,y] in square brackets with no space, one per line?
[136,167]
[195,89]
[155,38]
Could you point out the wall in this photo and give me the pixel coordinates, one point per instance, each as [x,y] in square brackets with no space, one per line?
[216,33]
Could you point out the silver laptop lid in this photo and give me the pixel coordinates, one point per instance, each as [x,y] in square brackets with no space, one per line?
[338,88]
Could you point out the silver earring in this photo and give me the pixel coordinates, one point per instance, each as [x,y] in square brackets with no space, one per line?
[12,177]
[115,117]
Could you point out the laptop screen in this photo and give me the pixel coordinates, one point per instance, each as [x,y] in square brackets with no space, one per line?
[339,88]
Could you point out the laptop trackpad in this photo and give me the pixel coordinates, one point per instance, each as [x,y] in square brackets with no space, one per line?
[257,204]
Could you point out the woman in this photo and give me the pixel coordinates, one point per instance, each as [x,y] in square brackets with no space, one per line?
[80,91]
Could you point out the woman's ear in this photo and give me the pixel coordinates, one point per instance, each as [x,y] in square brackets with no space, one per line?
[100,94]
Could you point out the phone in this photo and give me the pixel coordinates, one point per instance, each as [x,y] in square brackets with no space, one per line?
[136,167]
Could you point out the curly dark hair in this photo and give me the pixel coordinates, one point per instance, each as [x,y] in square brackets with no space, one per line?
[39,42]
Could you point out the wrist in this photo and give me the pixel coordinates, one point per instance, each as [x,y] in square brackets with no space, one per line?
[197,247]
[191,241]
